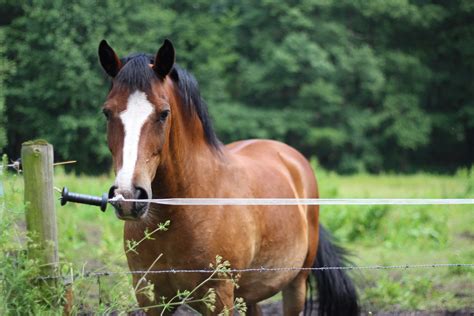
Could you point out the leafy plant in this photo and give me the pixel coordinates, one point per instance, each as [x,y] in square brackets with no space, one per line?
[18,271]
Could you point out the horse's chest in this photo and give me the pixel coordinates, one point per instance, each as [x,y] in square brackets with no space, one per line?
[162,253]
[176,248]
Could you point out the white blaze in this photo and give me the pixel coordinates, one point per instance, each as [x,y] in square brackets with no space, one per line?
[137,112]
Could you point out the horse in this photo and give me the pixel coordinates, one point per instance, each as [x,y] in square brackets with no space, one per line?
[163,145]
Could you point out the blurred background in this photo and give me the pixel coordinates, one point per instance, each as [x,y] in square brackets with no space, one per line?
[364,86]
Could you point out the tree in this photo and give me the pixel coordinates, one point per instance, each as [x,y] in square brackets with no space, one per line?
[58,87]
[5,68]
[362,85]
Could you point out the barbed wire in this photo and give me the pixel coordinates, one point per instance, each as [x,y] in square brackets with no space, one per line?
[264,269]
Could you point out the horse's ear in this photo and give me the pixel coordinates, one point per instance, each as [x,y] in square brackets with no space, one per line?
[164,59]
[109,59]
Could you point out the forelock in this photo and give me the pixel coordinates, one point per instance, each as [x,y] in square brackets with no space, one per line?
[136,74]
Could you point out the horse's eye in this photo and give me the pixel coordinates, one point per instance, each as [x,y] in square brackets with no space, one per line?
[107,113]
[164,114]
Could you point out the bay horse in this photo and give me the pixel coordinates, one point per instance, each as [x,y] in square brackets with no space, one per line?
[163,145]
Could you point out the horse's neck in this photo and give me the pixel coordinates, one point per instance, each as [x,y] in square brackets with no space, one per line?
[185,177]
[189,165]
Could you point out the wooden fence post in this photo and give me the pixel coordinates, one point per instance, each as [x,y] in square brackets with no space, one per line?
[37,164]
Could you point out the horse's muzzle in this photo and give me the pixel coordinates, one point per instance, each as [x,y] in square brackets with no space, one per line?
[127,210]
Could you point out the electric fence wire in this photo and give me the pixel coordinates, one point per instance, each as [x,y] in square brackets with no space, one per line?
[294,201]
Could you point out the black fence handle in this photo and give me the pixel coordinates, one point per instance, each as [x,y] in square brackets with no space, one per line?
[100,201]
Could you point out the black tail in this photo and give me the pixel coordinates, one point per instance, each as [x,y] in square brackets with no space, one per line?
[336,293]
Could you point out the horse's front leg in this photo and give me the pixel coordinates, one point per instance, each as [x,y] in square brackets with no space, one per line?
[224,299]
[148,297]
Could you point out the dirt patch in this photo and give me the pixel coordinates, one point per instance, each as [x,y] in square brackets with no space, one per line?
[467,235]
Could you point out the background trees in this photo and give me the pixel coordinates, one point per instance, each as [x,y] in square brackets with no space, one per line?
[362,85]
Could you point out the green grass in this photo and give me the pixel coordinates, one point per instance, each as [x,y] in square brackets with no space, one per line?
[397,235]
[90,240]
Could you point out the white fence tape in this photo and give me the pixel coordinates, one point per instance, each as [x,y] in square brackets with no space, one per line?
[292,201]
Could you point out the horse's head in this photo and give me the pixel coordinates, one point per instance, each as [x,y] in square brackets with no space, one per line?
[139,117]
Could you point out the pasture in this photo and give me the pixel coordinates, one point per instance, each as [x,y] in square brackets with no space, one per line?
[91,241]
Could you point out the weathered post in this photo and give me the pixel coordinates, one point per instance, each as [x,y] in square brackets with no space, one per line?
[37,160]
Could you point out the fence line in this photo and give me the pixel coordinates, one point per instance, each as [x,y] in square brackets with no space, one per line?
[294,201]
[54,276]
[264,269]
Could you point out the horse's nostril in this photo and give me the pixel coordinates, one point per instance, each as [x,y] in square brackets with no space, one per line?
[112,191]
[126,208]
[141,193]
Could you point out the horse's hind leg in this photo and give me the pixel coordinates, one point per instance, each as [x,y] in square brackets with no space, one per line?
[294,295]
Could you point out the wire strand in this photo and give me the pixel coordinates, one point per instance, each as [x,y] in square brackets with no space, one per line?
[274,269]
[294,201]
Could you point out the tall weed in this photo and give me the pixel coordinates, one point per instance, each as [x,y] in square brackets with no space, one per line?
[21,292]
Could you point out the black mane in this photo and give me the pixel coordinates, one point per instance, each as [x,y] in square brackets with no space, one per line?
[136,74]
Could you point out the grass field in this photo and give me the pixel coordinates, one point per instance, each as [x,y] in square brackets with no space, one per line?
[90,240]
[398,235]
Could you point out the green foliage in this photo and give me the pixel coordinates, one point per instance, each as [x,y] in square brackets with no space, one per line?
[18,271]
[406,294]
[22,292]
[59,87]
[398,235]
[6,68]
[383,224]
[364,85]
